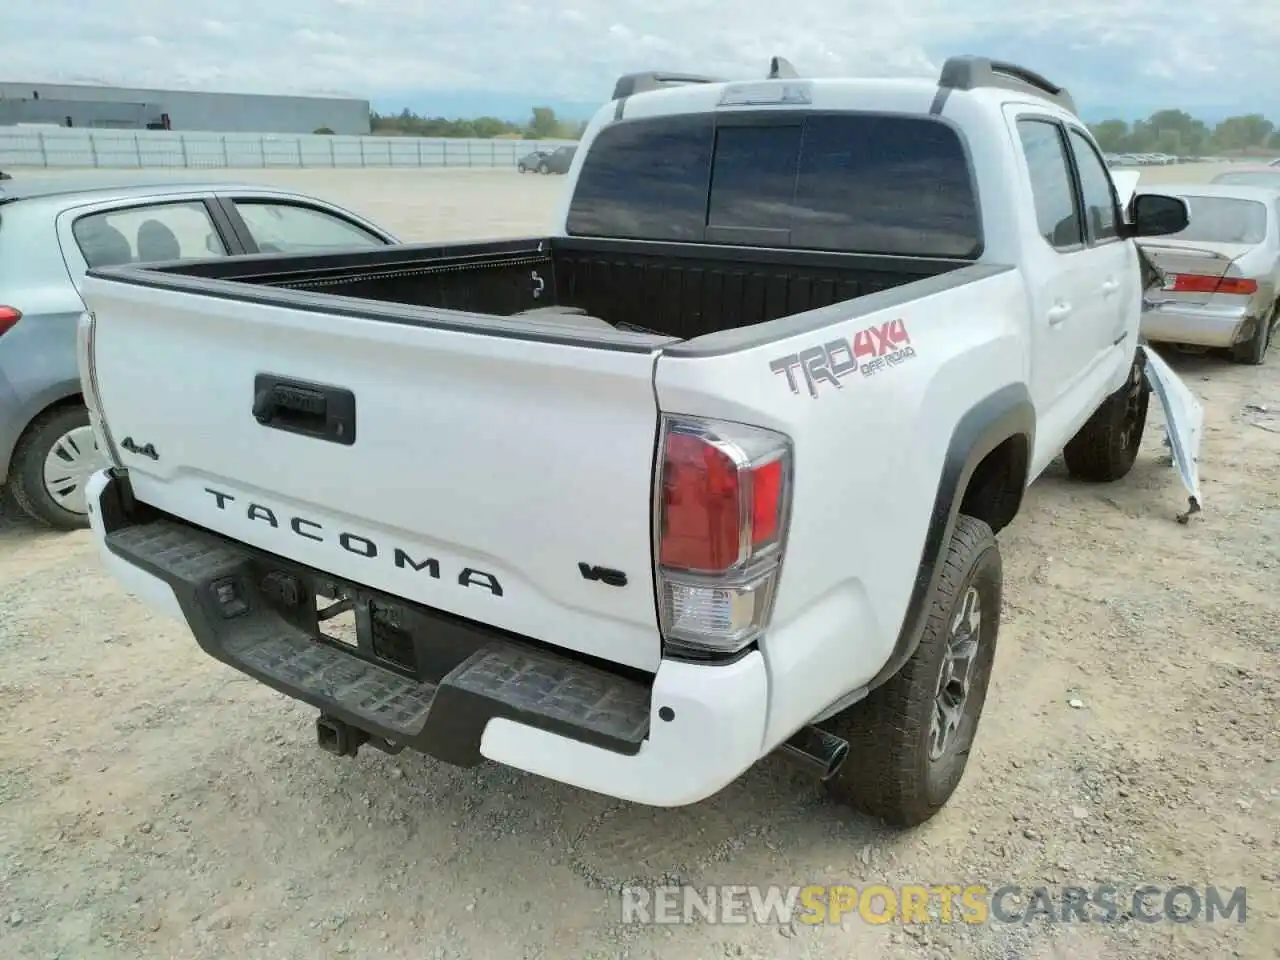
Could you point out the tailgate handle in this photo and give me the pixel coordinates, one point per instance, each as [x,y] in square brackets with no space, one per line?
[308,409]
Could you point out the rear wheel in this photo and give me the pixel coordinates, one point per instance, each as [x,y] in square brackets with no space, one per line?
[1254,350]
[52,465]
[909,740]
[1107,445]
[543,168]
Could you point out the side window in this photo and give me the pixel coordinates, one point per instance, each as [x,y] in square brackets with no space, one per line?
[1051,185]
[289,228]
[148,234]
[645,180]
[1101,212]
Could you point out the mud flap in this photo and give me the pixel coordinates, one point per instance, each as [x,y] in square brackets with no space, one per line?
[1184,426]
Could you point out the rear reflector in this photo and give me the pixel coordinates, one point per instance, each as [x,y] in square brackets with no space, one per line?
[724,493]
[1199,283]
[9,316]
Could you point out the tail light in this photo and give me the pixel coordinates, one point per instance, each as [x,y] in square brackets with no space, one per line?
[1200,283]
[724,492]
[9,316]
[86,332]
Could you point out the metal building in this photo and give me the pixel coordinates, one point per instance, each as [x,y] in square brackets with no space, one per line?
[86,105]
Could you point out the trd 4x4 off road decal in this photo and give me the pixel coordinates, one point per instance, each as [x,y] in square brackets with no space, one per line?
[872,349]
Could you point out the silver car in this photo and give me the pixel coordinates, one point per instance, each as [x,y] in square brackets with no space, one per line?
[51,230]
[1268,176]
[1221,273]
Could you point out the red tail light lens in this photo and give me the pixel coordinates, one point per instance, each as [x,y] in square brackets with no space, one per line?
[702,519]
[1200,283]
[766,503]
[9,316]
[723,495]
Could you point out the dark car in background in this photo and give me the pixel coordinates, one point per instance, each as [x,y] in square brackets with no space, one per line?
[544,161]
[52,229]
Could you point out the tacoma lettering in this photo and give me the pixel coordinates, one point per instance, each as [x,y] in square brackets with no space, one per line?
[353,543]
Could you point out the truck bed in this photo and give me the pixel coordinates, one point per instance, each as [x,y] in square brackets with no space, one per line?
[670,289]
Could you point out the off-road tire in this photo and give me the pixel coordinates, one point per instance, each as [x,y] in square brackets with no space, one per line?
[1254,350]
[888,772]
[1107,445]
[26,473]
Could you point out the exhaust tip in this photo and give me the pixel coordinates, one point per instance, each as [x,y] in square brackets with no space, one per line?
[821,752]
[837,760]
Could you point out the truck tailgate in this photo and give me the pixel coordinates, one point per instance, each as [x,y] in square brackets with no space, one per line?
[482,475]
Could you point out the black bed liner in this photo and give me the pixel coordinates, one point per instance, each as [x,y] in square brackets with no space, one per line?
[679,290]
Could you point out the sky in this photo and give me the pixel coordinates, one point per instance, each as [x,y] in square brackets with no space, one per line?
[501,57]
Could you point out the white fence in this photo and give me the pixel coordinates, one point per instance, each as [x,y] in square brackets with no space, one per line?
[57,147]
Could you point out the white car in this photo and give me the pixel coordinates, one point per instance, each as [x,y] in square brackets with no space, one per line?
[1221,285]
[714,469]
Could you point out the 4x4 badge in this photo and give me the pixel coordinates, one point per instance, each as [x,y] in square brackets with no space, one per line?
[871,349]
[146,450]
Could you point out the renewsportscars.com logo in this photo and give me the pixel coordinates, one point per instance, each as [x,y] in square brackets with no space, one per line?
[972,904]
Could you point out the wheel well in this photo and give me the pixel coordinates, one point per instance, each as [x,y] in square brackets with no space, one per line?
[995,488]
[73,400]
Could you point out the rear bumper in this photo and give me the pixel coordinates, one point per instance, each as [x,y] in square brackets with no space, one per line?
[472,693]
[1198,326]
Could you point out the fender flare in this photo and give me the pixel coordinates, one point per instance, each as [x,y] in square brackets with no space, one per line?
[1006,413]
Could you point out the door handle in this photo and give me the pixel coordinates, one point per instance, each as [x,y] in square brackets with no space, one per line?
[1059,312]
[1109,288]
[309,409]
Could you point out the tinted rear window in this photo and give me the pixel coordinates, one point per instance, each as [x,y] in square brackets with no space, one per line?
[863,183]
[1249,178]
[1224,220]
[645,181]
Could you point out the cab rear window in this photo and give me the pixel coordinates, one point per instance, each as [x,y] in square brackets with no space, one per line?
[864,183]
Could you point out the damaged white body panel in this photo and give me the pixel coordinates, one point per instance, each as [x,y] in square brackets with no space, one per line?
[1184,426]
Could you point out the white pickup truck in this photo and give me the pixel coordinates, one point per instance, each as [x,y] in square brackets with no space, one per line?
[714,469]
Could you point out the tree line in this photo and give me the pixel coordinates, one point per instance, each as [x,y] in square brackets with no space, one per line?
[1177,133]
[543,124]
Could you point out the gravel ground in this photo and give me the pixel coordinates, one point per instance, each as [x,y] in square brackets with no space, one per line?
[155,803]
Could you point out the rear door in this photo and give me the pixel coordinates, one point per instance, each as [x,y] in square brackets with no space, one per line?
[1067,305]
[460,464]
[1117,278]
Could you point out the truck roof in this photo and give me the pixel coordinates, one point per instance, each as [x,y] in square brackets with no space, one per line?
[961,73]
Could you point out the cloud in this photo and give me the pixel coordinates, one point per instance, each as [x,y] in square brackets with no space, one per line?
[1107,51]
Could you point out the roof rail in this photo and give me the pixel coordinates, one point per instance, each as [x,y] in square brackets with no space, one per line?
[633,83]
[780,69]
[972,73]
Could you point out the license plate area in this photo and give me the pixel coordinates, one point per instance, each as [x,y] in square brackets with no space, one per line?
[411,640]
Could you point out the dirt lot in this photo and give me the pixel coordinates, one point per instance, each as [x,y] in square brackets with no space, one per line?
[154,803]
